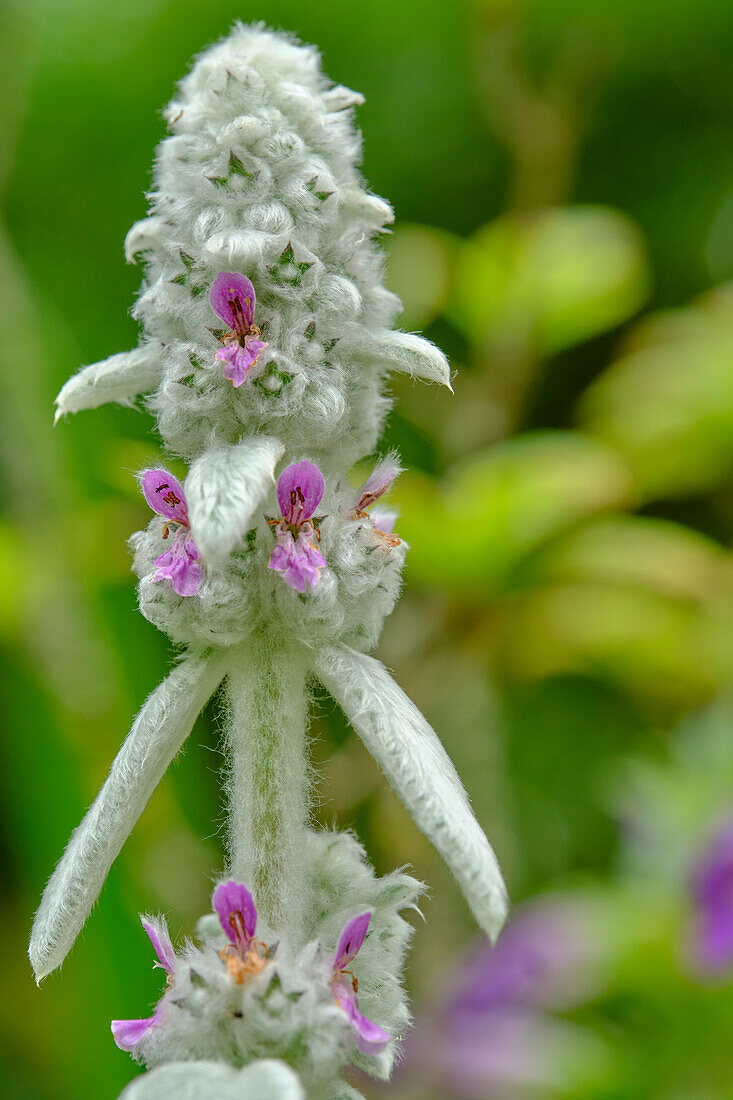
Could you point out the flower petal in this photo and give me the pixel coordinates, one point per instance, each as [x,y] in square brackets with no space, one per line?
[298,560]
[180,565]
[350,941]
[157,930]
[370,1038]
[384,520]
[240,359]
[378,482]
[232,298]
[165,495]
[155,738]
[128,1033]
[299,492]
[237,913]
[421,773]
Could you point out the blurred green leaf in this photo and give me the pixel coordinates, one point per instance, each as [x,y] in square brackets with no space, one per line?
[550,279]
[420,260]
[668,404]
[475,528]
[656,554]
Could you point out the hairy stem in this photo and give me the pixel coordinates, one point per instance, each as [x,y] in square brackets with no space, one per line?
[268,784]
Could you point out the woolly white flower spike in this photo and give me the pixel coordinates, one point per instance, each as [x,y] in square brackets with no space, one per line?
[225,487]
[157,734]
[268,1079]
[121,378]
[418,768]
[259,182]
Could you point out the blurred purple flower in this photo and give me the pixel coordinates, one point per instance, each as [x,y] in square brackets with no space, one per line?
[180,564]
[232,298]
[712,889]
[370,1038]
[128,1033]
[299,492]
[490,1033]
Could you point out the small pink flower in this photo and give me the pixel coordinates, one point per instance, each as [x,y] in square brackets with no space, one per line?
[237,914]
[370,1038]
[180,564]
[128,1033]
[375,486]
[299,492]
[232,298]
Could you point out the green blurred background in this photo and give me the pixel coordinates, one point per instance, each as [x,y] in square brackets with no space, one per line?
[562,176]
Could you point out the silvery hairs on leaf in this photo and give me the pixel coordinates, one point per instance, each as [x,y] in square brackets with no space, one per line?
[260,175]
[418,768]
[157,734]
[224,488]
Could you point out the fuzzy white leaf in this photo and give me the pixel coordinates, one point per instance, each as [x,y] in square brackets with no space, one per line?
[120,378]
[156,736]
[413,355]
[418,768]
[265,1080]
[340,97]
[224,488]
[246,247]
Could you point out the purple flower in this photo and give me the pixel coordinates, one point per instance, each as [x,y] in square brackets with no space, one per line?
[712,888]
[128,1033]
[375,486]
[237,914]
[299,492]
[370,1038]
[233,299]
[492,1032]
[180,564]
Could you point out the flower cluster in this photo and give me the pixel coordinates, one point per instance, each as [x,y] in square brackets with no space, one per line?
[244,957]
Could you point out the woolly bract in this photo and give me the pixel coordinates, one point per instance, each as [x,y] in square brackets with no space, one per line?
[207,1080]
[260,175]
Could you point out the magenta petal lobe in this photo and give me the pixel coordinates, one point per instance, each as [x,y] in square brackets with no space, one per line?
[298,561]
[237,913]
[350,941]
[165,495]
[378,482]
[128,1033]
[161,941]
[232,298]
[370,1038]
[180,566]
[299,492]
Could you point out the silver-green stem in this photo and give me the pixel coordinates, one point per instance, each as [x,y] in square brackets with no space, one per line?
[269,796]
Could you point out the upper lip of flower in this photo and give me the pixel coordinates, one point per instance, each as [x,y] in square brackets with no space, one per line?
[233,299]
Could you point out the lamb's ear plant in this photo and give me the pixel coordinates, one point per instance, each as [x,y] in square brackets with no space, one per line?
[267,342]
